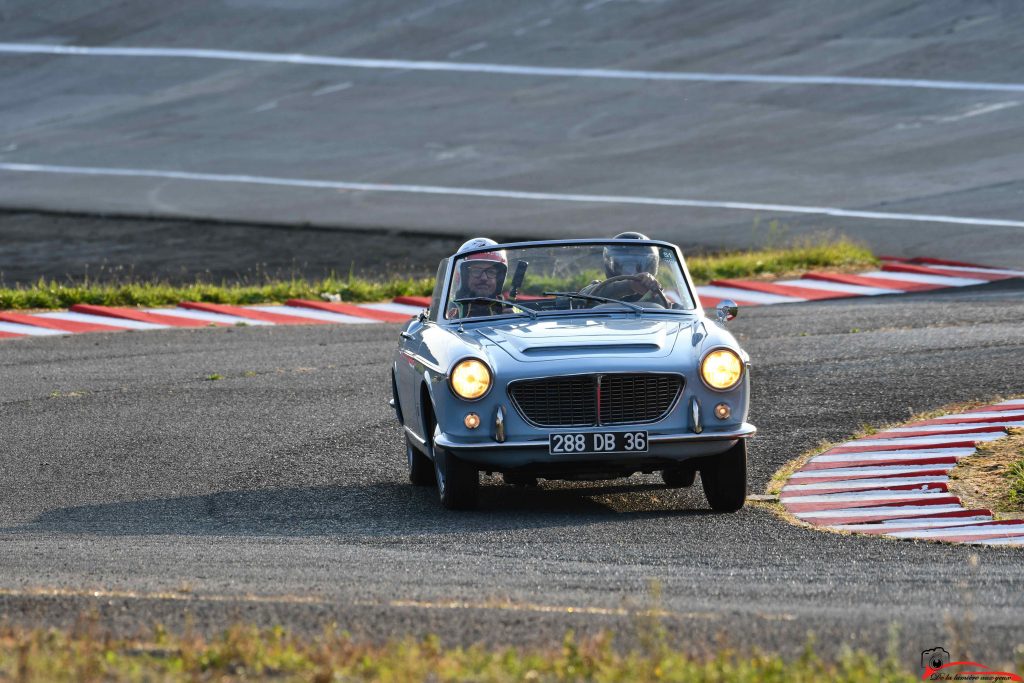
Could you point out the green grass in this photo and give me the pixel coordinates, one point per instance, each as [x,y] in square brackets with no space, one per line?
[243,653]
[138,293]
[1016,489]
[817,253]
[811,254]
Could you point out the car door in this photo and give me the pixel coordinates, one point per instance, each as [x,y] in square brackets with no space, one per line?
[409,368]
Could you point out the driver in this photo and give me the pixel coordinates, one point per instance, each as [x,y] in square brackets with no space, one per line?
[630,272]
[482,274]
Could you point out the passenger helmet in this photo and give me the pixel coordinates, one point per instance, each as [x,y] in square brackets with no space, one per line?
[620,259]
[497,258]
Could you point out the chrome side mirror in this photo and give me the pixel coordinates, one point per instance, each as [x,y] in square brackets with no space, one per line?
[726,311]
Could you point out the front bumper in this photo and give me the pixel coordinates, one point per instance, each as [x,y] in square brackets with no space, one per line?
[670,448]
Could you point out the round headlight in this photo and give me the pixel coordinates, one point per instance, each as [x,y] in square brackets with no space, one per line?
[721,369]
[471,379]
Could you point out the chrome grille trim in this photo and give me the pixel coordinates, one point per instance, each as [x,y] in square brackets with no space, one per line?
[572,400]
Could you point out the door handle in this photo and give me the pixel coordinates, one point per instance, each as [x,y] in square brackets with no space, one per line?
[405,335]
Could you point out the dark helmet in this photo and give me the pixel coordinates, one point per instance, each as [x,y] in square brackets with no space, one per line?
[620,259]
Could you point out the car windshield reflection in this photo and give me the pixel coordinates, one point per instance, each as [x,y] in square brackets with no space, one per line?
[549,279]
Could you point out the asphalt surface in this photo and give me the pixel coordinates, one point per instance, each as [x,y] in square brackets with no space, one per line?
[139,490]
[872,148]
[104,249]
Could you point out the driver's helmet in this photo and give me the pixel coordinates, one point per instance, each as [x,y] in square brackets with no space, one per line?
[496,259]
[620,259]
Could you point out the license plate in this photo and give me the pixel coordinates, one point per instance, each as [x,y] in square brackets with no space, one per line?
[598,442]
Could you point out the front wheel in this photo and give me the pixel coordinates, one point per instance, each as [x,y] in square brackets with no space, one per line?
[421,471]
[724,478]
[458,482]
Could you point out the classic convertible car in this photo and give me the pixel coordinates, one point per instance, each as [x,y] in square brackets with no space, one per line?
[571,359]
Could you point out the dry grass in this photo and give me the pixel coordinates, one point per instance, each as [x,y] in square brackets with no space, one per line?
[993,478]
[245,653]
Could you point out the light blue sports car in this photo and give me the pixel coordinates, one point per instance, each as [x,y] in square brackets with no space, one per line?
[571,359]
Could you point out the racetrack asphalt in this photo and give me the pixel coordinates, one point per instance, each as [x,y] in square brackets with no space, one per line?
[884,149]
[139,490]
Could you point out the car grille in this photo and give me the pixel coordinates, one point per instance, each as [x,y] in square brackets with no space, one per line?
[573,401]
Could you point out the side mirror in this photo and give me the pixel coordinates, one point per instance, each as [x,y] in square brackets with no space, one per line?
[726,311]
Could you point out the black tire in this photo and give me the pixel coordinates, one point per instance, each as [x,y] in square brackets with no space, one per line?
[458,482]
[679,477]
[724,478]
[421,470]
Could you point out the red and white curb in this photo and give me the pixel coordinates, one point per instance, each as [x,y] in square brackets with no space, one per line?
[896,483]
[83,318]
[897,276]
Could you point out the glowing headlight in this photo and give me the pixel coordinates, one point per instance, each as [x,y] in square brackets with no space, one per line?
[471,379]
[721,369]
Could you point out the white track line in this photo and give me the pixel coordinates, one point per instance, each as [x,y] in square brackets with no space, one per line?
[314,314]
[503,69]
[827,286]
[746,295]
[895,472]
[861,483]
[190,314]
[952,427]
[30,330]
[907,454]
[933,440]
[924,493]
[103,320]
[962,531]
[506,194]
[995,414]
[943,280]
[395,308]
[941,522]
[972,269]
[1011,402]
[912,510]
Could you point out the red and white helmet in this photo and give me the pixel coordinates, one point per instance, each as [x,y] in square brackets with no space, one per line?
[497,258]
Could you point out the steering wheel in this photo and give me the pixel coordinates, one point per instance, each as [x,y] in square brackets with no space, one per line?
[648,283]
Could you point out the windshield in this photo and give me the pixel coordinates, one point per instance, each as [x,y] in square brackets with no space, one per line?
[543,279]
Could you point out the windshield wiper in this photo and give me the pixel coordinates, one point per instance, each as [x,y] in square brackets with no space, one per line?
[504,302]
[603,299]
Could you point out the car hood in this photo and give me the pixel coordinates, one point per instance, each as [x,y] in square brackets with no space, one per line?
[538,340]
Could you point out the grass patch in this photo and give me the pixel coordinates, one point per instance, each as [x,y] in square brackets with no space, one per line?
[993,478]
[828,253]
[243,653]
[55,294]
[1016,477]
[817,253]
